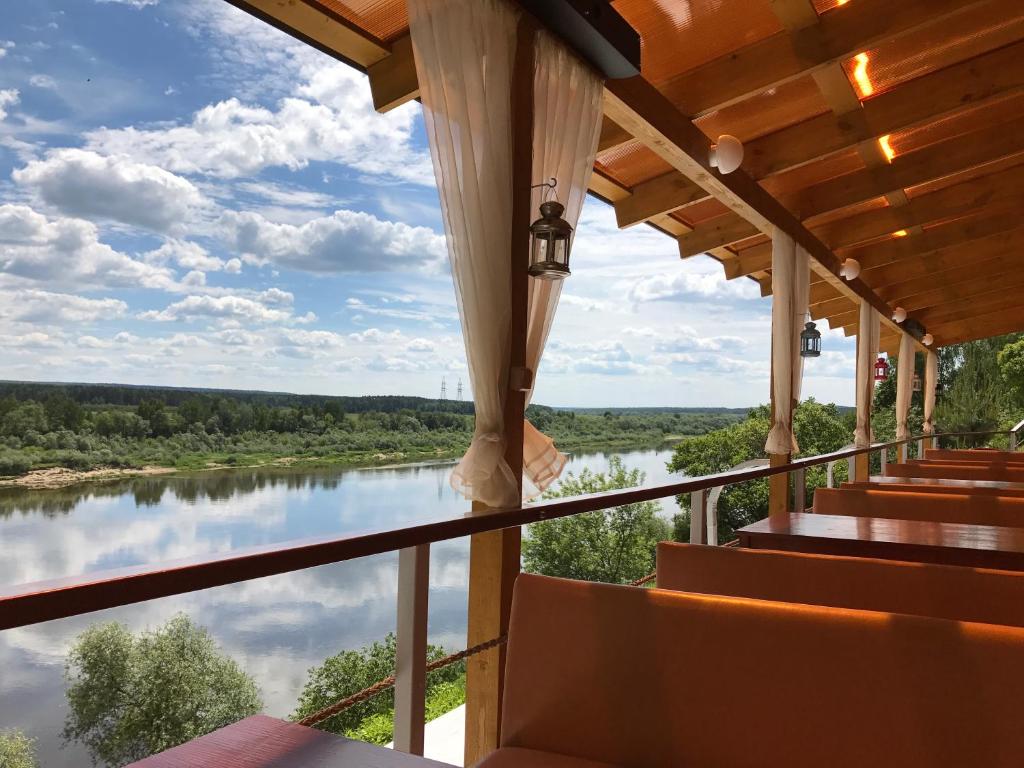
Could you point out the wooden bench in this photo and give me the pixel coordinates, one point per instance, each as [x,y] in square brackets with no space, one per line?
[931,485]
[979,509]
[977,454]
[921,589]
[955,471]
[601,675]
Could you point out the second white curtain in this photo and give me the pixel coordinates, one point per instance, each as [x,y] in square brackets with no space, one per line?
[867,351]
[904,385]
[790,289]
[931,380]
[566,127]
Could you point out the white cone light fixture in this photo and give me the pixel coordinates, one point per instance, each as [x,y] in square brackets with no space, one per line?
[899,315]
[850,269]
[927,339]
[727,154]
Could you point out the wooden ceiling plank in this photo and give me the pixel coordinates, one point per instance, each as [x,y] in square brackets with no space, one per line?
[786,56]
[982,327]
[888,278]
[927,164]
[714,234]
[324,30]
[921,100]
[663,194]
[612,136]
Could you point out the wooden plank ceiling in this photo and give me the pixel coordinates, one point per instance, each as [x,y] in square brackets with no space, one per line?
[889,132]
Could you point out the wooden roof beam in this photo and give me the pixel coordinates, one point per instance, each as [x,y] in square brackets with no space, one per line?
[812,44]
[921,100]
[909,170]
[1002,191]
[661,195]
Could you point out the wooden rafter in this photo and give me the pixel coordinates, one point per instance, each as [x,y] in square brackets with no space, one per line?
[921,100]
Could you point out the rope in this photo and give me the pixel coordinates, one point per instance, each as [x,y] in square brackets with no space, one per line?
[388,682]
[644,579]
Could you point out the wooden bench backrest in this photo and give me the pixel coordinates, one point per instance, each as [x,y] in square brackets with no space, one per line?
[921,589]
[955,471]
[984,455]
[930,485]
[907,505]
[662,679]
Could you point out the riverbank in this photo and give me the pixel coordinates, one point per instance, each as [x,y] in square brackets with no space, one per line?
[53,477]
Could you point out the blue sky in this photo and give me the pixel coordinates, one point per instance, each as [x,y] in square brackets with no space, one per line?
[189,197]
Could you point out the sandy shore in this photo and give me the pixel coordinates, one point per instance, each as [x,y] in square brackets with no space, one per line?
[60,477]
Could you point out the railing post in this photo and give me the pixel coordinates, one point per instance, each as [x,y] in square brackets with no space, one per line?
[920,448]
[903,453]
[830,480]
[711,516]
[698,517]
[884,453]
[1013,440]
[411,650]
[851,468]
[799,489]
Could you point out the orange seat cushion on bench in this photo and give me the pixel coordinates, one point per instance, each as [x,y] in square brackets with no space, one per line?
[984,455]
[921,589]
[659,679]
[955,471]
[940,508]
[930,485]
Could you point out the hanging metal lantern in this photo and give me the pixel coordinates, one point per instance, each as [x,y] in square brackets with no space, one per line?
[881,369]
[915,383]
[550,239]
[810,341]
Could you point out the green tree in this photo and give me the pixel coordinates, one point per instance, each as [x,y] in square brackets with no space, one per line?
[819,428]
[348,672]
[16,750]
[974,400]
[615,545]
[130,696]
[1011,371]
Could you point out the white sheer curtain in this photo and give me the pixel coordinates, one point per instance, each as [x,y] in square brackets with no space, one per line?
[566,128]
[867,351]
[931,380]
[464,52]
[790,289]
[904,385]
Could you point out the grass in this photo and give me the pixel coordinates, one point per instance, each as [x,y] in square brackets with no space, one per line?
[380,728]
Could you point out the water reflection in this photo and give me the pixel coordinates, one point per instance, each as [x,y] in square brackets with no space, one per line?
[276,627]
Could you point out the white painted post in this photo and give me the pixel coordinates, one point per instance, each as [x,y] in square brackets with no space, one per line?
[920,448]
[411,650]
[884,453]
[799,489]
[903,453]
[851,468]
[711,515]
[698,517]
[1013,441]
[829,479]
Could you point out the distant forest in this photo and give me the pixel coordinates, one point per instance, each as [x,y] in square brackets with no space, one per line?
[86,426]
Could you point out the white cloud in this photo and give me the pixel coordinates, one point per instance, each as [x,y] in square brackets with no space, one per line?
[688,285]
[48,308]
[335,122]
[8,97]
[131,3]
[86,184]
[43,81]
[5,46]
[223,308]
[189,255]
[347,241]
[67,252]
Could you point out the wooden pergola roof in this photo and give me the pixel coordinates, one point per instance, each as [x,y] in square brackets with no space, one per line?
[890,131]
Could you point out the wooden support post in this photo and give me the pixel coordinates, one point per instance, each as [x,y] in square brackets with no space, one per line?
[494,556]
[698,517]
[862,467]
[411,650]
[778,488]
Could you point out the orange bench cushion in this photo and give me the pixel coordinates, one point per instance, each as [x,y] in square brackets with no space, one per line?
[659,679]
[985,455]
[955,471]
[904,505]
[929,485]
[921,589]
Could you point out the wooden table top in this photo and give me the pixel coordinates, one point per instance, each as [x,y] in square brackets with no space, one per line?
[266,742]
[979,546]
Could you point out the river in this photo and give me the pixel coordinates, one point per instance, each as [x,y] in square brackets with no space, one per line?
[276,627]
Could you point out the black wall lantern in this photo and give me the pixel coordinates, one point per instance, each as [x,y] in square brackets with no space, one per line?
[550,240]
[810,341]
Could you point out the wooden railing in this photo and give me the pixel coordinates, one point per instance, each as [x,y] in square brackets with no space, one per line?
[75,595]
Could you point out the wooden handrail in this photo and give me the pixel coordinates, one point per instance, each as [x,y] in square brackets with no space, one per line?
[39,601]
